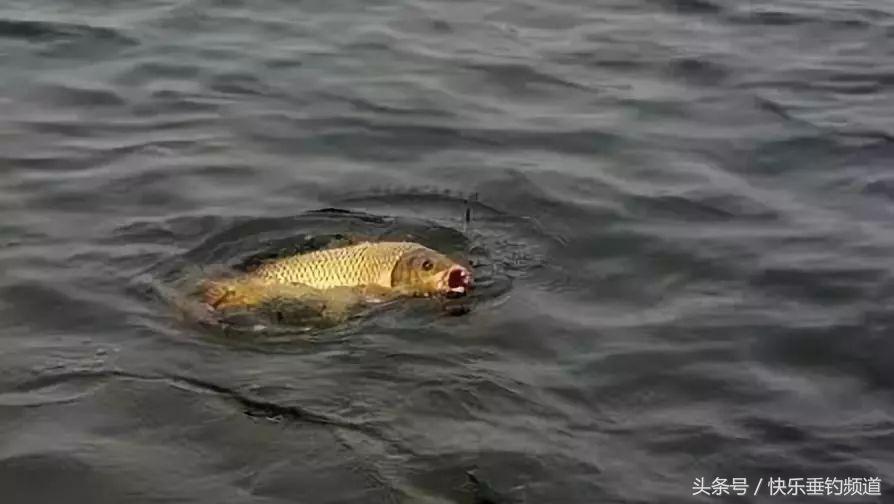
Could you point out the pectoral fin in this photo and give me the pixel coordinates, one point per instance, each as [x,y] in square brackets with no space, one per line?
[229,293]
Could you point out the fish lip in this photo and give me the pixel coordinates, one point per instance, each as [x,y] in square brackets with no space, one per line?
[456,281]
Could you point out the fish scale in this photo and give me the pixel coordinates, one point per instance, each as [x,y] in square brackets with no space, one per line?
[361,264]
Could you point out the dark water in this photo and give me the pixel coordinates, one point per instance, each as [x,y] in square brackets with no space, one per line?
[684,216]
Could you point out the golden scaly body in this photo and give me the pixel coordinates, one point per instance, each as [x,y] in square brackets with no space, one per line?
[389,268]
[355,265]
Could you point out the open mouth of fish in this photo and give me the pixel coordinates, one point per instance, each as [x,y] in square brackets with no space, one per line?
[456,281]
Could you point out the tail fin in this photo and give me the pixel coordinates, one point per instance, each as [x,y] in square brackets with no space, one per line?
[217,294]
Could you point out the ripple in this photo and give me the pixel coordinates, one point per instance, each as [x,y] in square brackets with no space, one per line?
[70,313]
[699,71]
[520,77]
[690,6]
[70,96]
[51,31]
[702,208]
[252,240]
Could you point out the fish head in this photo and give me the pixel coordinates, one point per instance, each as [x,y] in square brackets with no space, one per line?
[425,272]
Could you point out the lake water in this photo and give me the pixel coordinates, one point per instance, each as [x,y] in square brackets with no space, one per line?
[683,224]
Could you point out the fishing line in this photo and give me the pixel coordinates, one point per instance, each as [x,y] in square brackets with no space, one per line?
[467,220]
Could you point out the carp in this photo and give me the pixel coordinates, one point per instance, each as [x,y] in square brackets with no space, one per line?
[376,270]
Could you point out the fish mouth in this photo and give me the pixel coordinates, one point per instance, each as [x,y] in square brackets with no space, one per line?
[456,281]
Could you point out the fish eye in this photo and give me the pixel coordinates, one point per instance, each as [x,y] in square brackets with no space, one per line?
[427,265]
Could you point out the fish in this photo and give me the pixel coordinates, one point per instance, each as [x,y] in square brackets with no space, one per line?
[378,270]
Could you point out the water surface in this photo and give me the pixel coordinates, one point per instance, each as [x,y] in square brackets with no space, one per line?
[687,204]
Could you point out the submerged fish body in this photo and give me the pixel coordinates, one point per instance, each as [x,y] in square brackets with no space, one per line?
[378,269]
